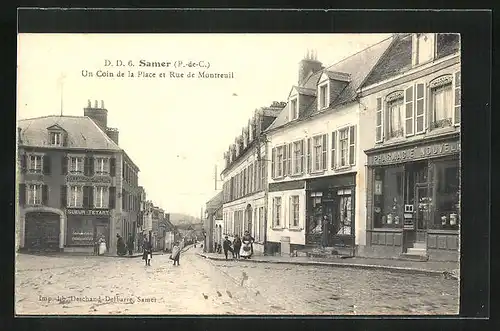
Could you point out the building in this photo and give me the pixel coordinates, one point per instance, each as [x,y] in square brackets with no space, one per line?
[245,179]
[213,213]
[168,233]
[411,148]
[69,182]
[316,181]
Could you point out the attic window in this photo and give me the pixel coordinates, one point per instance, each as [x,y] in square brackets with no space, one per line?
[424,47]
[323,95]
[294,109]
[56,138]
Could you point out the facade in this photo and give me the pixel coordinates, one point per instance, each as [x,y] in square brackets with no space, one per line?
[213,213]
[316,180]
[411,148]
[69,177]
[245,179]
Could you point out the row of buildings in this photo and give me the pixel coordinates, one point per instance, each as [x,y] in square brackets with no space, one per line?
[364,156]
[76,185]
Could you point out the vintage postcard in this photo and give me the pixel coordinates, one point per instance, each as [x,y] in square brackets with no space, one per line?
[240,174]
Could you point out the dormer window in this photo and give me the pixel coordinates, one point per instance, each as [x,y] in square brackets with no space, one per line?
[56,138]
[56,135]
[323,101]
[294,109]
[424,48]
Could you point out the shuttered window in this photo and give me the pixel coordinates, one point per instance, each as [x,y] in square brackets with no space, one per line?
[324,152]
[379,133]
[334,150]
[352,145]
[457,98]
[273,163]
[420,108]
[309,156]
[409,112]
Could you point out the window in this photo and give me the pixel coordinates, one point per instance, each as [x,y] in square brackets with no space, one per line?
[456,119]
[395,118]
[294,109]
[323,96]
[102,198]
[441,106]
[425,47]
[294,211]
[420,108]
[76,164]
[75,198]
[279,161]
[102,166]
[318,153]
[297,157]
[446,195]
[344,146]
[388,197]
[34,194]
[379,133]
[56,138]
[276,211]
[35,163]
[345,209]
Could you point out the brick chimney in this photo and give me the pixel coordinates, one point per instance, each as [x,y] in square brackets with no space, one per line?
[113,134]
[308,65]
[98,114]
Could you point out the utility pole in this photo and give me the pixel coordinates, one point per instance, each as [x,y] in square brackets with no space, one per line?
[61,82]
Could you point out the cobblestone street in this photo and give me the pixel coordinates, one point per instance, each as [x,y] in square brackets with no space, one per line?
[98,285]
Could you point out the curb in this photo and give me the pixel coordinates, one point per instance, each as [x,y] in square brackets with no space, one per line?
[344,265]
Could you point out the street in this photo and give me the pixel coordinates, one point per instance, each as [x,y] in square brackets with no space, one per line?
[74,285]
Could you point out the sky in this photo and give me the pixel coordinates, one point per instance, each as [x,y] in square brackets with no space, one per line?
[175,129]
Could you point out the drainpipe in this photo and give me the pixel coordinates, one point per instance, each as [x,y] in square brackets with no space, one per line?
[266,191]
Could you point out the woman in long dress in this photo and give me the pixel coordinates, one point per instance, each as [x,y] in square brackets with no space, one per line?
[176,253]
[247,245]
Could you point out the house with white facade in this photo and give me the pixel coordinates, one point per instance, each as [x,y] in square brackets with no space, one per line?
[316,181]
[245,179]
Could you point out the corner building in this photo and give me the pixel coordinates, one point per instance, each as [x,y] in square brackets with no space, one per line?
[70,175]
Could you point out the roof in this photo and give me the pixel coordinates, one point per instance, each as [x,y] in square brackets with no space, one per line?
[82,132]
[356,67]
[305,90]
[215,203]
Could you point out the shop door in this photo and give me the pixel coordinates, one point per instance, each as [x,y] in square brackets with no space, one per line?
[101,230]
[42,232]
[422,211]
[342,229]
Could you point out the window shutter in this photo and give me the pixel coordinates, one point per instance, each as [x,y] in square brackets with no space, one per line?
[45,195]
[64,165]
[379,132]
[91,166]
[112,197]
[409,112]
[420,121]
[352,145]
[308,165]
[334,149]
[22,194]
[302,155]
[290,153]
[23,163]
[64,196]
[273,165]
[285,160]
[324,152]
[46,164]
[457,97]
[65,139]
[112,167]
[86,166]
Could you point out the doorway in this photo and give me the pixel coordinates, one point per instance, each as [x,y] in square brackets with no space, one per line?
[42,231]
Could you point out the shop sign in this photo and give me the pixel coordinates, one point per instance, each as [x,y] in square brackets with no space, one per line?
[415,153]
[86,179]
[88,212]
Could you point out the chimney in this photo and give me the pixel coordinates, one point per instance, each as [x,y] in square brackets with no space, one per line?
[102,104]
[308,65]
[113,134]
[89,105]
[98,115]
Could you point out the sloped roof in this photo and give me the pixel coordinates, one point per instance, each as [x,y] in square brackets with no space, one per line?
[215,203]
[304,90]
[82,132]
[358,66]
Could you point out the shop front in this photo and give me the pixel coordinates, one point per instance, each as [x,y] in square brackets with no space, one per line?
[42,231]
[413,201]
[85,227]
[330,212]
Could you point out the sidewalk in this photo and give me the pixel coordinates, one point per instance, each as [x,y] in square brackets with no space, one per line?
[430,268]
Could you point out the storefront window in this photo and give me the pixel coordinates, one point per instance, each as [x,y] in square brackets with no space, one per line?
[388,197]
[80,231]
[446,195]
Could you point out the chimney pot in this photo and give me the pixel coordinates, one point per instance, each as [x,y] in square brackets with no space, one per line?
[89,104]
[102,104]
[96,105]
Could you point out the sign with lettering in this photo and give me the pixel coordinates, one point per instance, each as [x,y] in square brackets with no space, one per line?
[88,212]
[415,153]
[86,179]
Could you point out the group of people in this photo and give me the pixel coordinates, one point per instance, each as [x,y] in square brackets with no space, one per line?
[147,249]
[240,247]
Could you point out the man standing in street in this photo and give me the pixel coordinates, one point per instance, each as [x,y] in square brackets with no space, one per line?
[130,244]
[226,245]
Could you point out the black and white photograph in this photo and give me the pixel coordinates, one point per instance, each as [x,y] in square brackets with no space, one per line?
[238,174]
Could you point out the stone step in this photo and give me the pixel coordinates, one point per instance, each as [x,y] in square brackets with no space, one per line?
[412,257]
[416,251]
[421,245]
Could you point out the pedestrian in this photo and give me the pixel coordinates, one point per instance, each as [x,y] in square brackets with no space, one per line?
[247,247]
[130,244]
[176,253]
[120,246]
[147,250]
[226,245]
[96,246]
[325,234]
[237,246]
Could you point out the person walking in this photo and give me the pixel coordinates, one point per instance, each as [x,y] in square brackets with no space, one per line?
[226,245]
[247,247]
[130,244]
[176,253]
[147,254]
[237,246]
[120,246]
